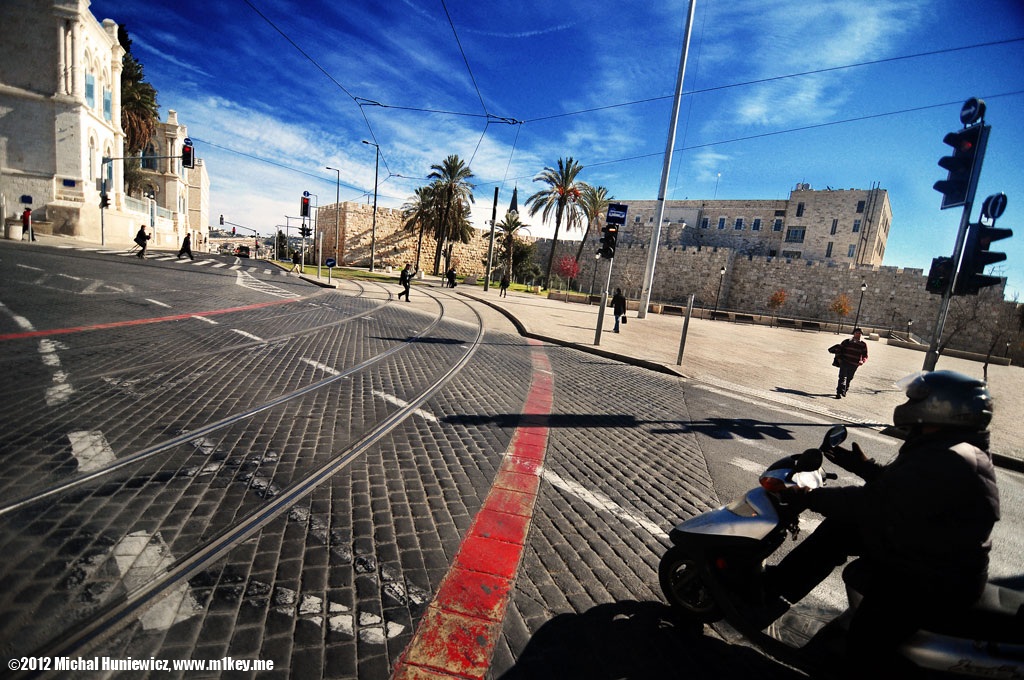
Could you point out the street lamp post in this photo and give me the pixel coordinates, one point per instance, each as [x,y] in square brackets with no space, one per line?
[337,210]
[910,323]
[721,277]
[856,320]
[373,229]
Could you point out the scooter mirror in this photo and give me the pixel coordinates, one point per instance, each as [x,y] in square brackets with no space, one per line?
[835,436]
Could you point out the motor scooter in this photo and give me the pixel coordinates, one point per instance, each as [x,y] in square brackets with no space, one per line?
[714,570]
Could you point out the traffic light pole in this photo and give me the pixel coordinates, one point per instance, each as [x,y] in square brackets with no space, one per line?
[604,303]
[931,358]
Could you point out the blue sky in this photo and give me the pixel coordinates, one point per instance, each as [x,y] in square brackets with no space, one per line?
[775,93]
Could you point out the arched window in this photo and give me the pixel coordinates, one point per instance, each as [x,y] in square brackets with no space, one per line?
[92,159]
[149,157]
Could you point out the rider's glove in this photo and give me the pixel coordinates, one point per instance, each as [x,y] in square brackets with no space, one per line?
[850,460]
[795,497]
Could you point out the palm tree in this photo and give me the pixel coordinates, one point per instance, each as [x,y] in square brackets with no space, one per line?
[563,191]
[139,111]
[421,212]
[452,193]
[506,236]
[594,203]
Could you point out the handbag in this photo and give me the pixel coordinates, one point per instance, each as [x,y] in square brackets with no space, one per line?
[624,317]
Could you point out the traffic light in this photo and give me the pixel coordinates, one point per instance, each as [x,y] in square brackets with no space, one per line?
[304,206]
[306,231]
[188,154]
[222,220]
[104,201]
[964,165]
[939,275]
[610,235]
[977,256]
[232,231]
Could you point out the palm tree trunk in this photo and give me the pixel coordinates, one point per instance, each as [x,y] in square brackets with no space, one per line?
[419,246]
[554,246]
[583,242]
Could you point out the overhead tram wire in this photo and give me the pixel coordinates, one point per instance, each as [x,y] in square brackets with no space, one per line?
[777,78]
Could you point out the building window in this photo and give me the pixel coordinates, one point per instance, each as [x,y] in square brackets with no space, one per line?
[799,209]
[828,249]
[148,157]
[856,226]
[721,223]
[92,159]
[835,225]
[791,254]
[90,90]
[777,226]
[108,111]
[795,235]
[852,249]
[704,222]
[756,226]
[636,219]
[860,206]
[739,224]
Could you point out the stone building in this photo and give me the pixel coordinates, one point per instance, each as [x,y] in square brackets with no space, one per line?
[838,225]
[60,126]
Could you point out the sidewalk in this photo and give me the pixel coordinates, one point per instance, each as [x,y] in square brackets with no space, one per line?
[782,365]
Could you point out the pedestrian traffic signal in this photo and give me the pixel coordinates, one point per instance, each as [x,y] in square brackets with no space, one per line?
[304,206]
[188,154]
[977,256]
[104,201]
[609,237]
[939,275]
[964,165]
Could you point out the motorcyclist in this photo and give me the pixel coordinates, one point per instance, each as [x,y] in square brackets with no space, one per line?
[921,524]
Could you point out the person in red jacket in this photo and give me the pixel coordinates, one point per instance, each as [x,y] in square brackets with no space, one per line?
[852,354]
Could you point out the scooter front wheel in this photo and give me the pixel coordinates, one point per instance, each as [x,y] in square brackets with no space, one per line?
[683,586]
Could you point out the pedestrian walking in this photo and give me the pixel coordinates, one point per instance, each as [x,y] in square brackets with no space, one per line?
[141,239]
[186,247]
[504,286]
[450,274]
[405,280]
[26,225]
[296,262]
[618,308]
[850,355]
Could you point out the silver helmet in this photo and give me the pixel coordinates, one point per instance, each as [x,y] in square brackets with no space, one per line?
[945,399]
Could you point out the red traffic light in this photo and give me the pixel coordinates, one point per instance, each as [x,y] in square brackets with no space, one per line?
[304,206]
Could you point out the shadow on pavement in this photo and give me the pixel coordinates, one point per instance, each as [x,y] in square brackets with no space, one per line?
[634,640]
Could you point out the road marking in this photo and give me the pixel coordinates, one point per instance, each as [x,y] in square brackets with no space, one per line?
[320,367]
[25,266]
[90,449]
[157,302]
[426,415]
[602,502]
[748,465]
[140,557]
[248,335]
[458,632]
[203,318]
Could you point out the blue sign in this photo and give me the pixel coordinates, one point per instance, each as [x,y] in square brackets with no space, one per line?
[617,213]
[26,199]
[330,262]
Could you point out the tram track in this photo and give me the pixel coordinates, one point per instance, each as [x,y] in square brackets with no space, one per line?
[116,610]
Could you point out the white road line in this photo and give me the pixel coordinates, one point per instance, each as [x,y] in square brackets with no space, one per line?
[602,502]
[748,465]
[247,335]
[320,367]
[139,558]
[25,266]
[220,264]
[206,319]
[200,263]
[91,450]
[392,399]
[157,302]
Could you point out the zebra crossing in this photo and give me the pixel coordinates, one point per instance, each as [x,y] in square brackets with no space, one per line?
[167,257]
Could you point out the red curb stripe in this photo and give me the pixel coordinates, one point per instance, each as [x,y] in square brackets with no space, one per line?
[137,322]
[458,632]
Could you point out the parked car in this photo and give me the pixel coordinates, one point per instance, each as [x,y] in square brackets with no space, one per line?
[242,251]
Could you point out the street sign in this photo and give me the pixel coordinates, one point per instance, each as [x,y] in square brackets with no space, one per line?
[972,111]
[330,262]
[26,199]
[306,194]
[993,207]
[617,213]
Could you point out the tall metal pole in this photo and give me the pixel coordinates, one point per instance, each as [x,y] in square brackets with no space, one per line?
[373,232]
[856,320]
[604,301]
[652,255]
[337,210]
[490,246]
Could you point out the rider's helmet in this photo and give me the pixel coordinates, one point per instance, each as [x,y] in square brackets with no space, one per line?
[944,399]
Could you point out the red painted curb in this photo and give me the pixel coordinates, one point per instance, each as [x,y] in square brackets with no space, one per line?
[456,637]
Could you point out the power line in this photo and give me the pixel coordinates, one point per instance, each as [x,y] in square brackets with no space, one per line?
[464,57]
